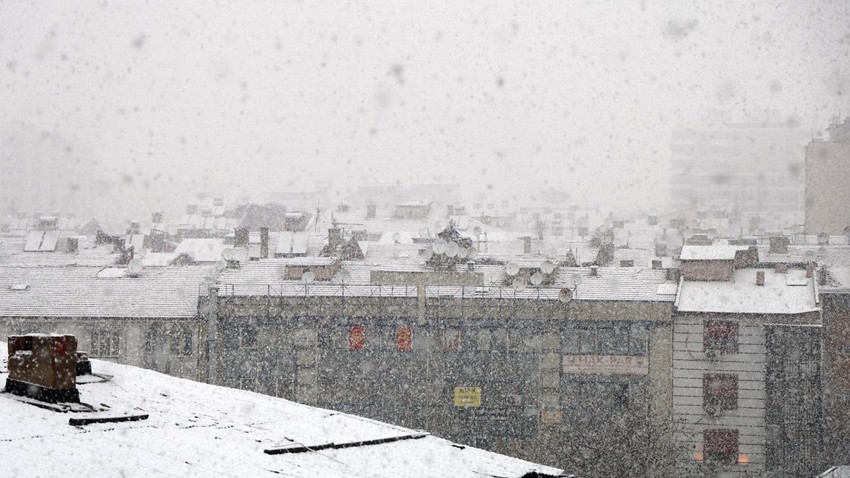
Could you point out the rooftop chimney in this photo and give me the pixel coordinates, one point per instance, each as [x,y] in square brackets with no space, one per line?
[264,242]
[43,367]
[781,268]
[241,237]
[759,277]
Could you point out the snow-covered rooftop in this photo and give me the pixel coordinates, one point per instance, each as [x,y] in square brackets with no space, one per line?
[609,283]
[195,429]
[780,294]
[76,291]
[715,252]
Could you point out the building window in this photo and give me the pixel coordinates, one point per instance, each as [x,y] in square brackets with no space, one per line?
[720,337]
[105,344]
[356,337]
[720,446]
[180,340]
[719,392]
[404,339]
[235,336]
[451,339]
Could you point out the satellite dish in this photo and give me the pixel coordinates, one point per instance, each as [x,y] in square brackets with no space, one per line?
[520,283]
[439,246]
[471,253]
[308,277]
[810,254]
[847,231]
[344,276]
[565,295]
[823,238]
[512,269]
[576,279]
[220,265]
[135,266]
[536,279]
[142,253]
[227,254]
[396,237]
[477,230]
[427,253]
[462,253]
[451,249]
[687,233]
[547,267]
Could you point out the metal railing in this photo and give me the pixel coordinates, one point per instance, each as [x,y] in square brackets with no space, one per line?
[388,291]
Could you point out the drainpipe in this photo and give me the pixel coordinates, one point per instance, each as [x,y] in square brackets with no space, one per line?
[212,335]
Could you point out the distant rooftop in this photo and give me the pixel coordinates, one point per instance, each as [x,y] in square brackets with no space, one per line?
[716,252]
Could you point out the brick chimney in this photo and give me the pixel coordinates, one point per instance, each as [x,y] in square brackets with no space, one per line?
[240,237]
[264,242]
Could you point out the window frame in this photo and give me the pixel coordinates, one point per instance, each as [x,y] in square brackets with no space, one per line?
[720,336]
[721,446]
[716,393]
[108,341]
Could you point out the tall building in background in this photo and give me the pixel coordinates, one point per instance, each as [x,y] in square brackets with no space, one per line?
[749,168]
[828,181]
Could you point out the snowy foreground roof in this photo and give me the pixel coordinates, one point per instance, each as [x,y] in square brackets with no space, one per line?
[195,429]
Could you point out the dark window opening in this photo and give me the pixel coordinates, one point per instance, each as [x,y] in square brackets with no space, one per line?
[720,392]
[720,446]
[720,337]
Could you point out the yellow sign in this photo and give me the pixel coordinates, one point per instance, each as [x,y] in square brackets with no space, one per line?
[467,396]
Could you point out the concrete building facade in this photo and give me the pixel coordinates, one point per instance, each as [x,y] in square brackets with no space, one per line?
[827,180]
[746,373]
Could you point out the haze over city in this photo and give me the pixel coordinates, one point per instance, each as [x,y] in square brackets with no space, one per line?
[160,101]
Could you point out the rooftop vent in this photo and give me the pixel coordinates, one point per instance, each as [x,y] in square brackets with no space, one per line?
[594,271]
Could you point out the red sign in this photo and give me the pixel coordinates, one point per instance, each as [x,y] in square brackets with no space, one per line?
[356,337]
[404,339]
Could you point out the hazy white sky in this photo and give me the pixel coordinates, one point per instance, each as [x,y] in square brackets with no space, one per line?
[190,96]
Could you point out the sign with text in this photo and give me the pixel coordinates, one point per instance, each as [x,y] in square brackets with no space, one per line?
[606,364]
[467,396]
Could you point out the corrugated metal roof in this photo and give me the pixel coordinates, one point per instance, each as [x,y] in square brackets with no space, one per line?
[75,291]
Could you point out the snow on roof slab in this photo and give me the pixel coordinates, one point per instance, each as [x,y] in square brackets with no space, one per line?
[715,252]
[196,429]
[743,296]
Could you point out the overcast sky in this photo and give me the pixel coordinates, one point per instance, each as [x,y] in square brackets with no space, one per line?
[183,97]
